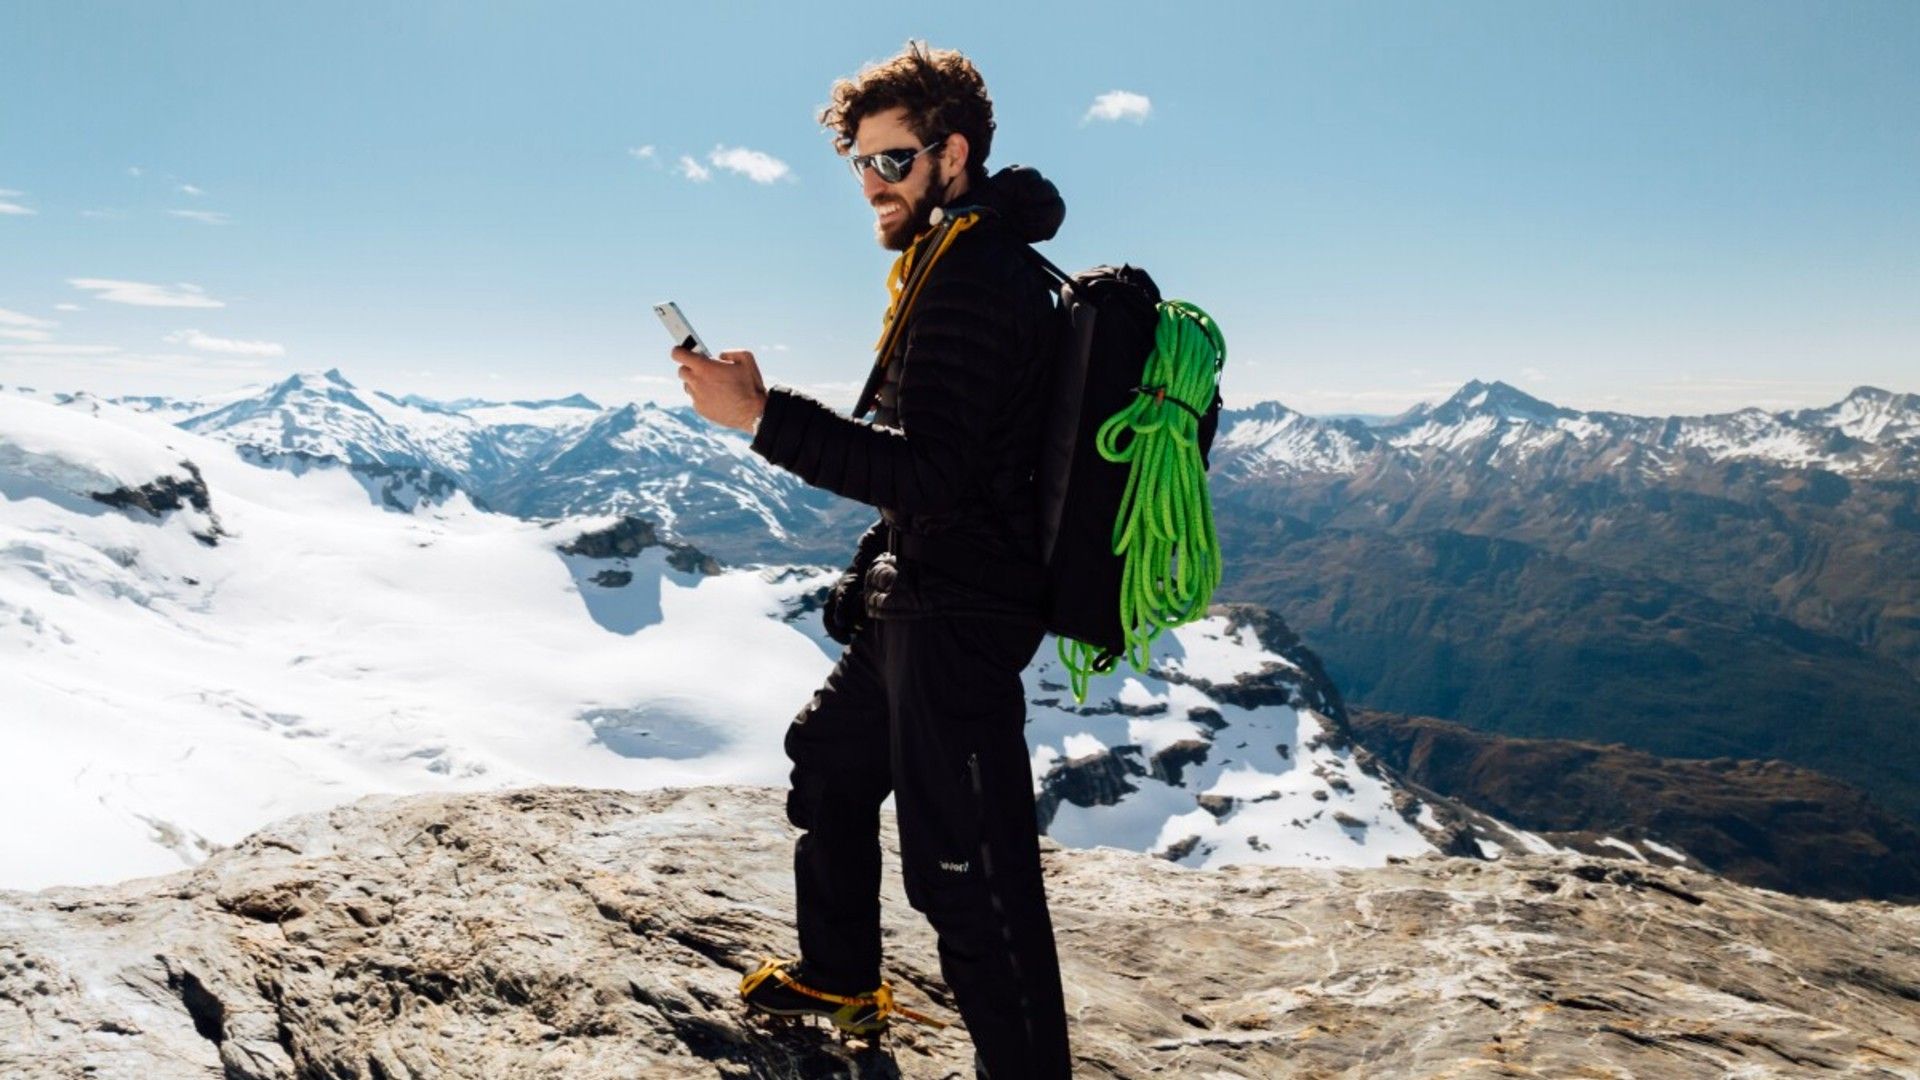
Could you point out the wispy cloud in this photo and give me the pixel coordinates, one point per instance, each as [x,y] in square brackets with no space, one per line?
[26,335]
[644,153]
[58,350]
[68,307]
[194,339]
[8,206]
[189,189]
[1119,105]
[113,214]
[143,294]
[1533,375]
[694,171]
[136,171]
[204,217]
[24,321]
[759,167]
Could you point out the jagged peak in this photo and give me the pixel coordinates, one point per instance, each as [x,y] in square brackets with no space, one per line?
[571,401]
[1261,410]
[1502,399]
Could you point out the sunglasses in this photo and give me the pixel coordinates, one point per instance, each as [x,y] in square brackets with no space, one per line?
[892,165]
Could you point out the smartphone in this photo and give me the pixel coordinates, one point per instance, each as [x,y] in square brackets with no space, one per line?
[680,329]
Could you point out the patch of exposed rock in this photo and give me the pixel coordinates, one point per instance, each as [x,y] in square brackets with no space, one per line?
[554,932]
[164,494]
[630,536]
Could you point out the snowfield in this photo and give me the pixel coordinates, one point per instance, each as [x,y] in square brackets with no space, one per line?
[164,695]
[172,683]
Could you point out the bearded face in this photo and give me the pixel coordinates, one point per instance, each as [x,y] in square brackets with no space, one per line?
[904,208]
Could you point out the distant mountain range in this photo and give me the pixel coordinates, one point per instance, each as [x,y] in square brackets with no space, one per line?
[1742,584]
[1746,584]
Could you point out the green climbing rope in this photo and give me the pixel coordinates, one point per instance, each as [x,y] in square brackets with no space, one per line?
[1164,531]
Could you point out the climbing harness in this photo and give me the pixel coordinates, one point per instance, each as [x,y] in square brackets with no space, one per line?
[1164,530]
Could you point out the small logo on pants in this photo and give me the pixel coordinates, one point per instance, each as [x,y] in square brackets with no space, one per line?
[954,867]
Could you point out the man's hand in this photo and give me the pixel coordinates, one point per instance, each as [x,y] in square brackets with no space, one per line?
[727,391]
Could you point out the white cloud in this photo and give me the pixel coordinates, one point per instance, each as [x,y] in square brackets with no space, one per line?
[761,168]
[194,339]
[136,171]
[15,318]
[693,170]
[642,153]
[1533,375]
[68,307]
[114,214]
[204,217]
[143,294]
[1119,105]
[26,335]
[189,189]
[8,206]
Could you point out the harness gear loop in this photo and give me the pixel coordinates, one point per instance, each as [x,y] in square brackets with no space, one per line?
[881,998]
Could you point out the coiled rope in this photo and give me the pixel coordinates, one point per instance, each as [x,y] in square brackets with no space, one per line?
[1164,531]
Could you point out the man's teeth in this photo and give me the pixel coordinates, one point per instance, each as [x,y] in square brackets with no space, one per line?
[889,210]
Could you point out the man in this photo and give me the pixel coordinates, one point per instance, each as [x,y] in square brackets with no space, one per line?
[938,612]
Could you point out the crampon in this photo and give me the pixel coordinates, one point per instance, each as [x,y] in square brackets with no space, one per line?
[771,990]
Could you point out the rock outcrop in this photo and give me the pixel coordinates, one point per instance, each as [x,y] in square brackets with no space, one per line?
[592,933]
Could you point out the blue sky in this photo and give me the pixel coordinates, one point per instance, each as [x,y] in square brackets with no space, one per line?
[1652,207]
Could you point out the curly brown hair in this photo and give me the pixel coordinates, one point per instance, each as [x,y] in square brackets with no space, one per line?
[940,89]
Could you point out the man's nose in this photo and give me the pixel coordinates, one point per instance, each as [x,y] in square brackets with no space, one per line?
[870,183]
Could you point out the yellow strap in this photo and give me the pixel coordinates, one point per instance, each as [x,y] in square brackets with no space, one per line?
[900,302]
[881,999]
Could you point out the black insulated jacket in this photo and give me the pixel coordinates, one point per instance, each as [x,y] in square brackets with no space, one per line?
[949,455]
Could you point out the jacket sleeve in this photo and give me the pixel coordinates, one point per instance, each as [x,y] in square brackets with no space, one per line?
[871,544]
[960,353]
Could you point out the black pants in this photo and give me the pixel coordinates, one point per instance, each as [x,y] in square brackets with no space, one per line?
[934,711]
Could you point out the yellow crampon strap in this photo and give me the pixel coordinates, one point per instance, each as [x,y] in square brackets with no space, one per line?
[906,278]
[881,999]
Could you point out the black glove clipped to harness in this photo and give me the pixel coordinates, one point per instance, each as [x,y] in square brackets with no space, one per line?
[845,611]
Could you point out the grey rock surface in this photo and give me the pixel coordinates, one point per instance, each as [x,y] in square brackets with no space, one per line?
[561,932]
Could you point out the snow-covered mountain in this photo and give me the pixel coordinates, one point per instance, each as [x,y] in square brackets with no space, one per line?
[1228,751]
[1870,433]
[326,418]
[698,480]
[535,459]
[542,459]
[196,643]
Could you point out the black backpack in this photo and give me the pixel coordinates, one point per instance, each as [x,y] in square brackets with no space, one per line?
[1107,321]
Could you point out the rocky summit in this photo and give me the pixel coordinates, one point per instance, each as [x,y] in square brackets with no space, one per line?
[592,933]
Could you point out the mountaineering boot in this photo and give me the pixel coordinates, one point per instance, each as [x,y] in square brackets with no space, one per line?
[777,989]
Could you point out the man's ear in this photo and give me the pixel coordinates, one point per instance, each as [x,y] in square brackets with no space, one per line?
[956,154]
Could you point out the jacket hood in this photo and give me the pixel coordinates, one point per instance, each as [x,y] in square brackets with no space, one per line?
[1023,198]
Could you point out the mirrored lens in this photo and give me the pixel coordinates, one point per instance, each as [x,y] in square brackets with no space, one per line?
[892,165]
